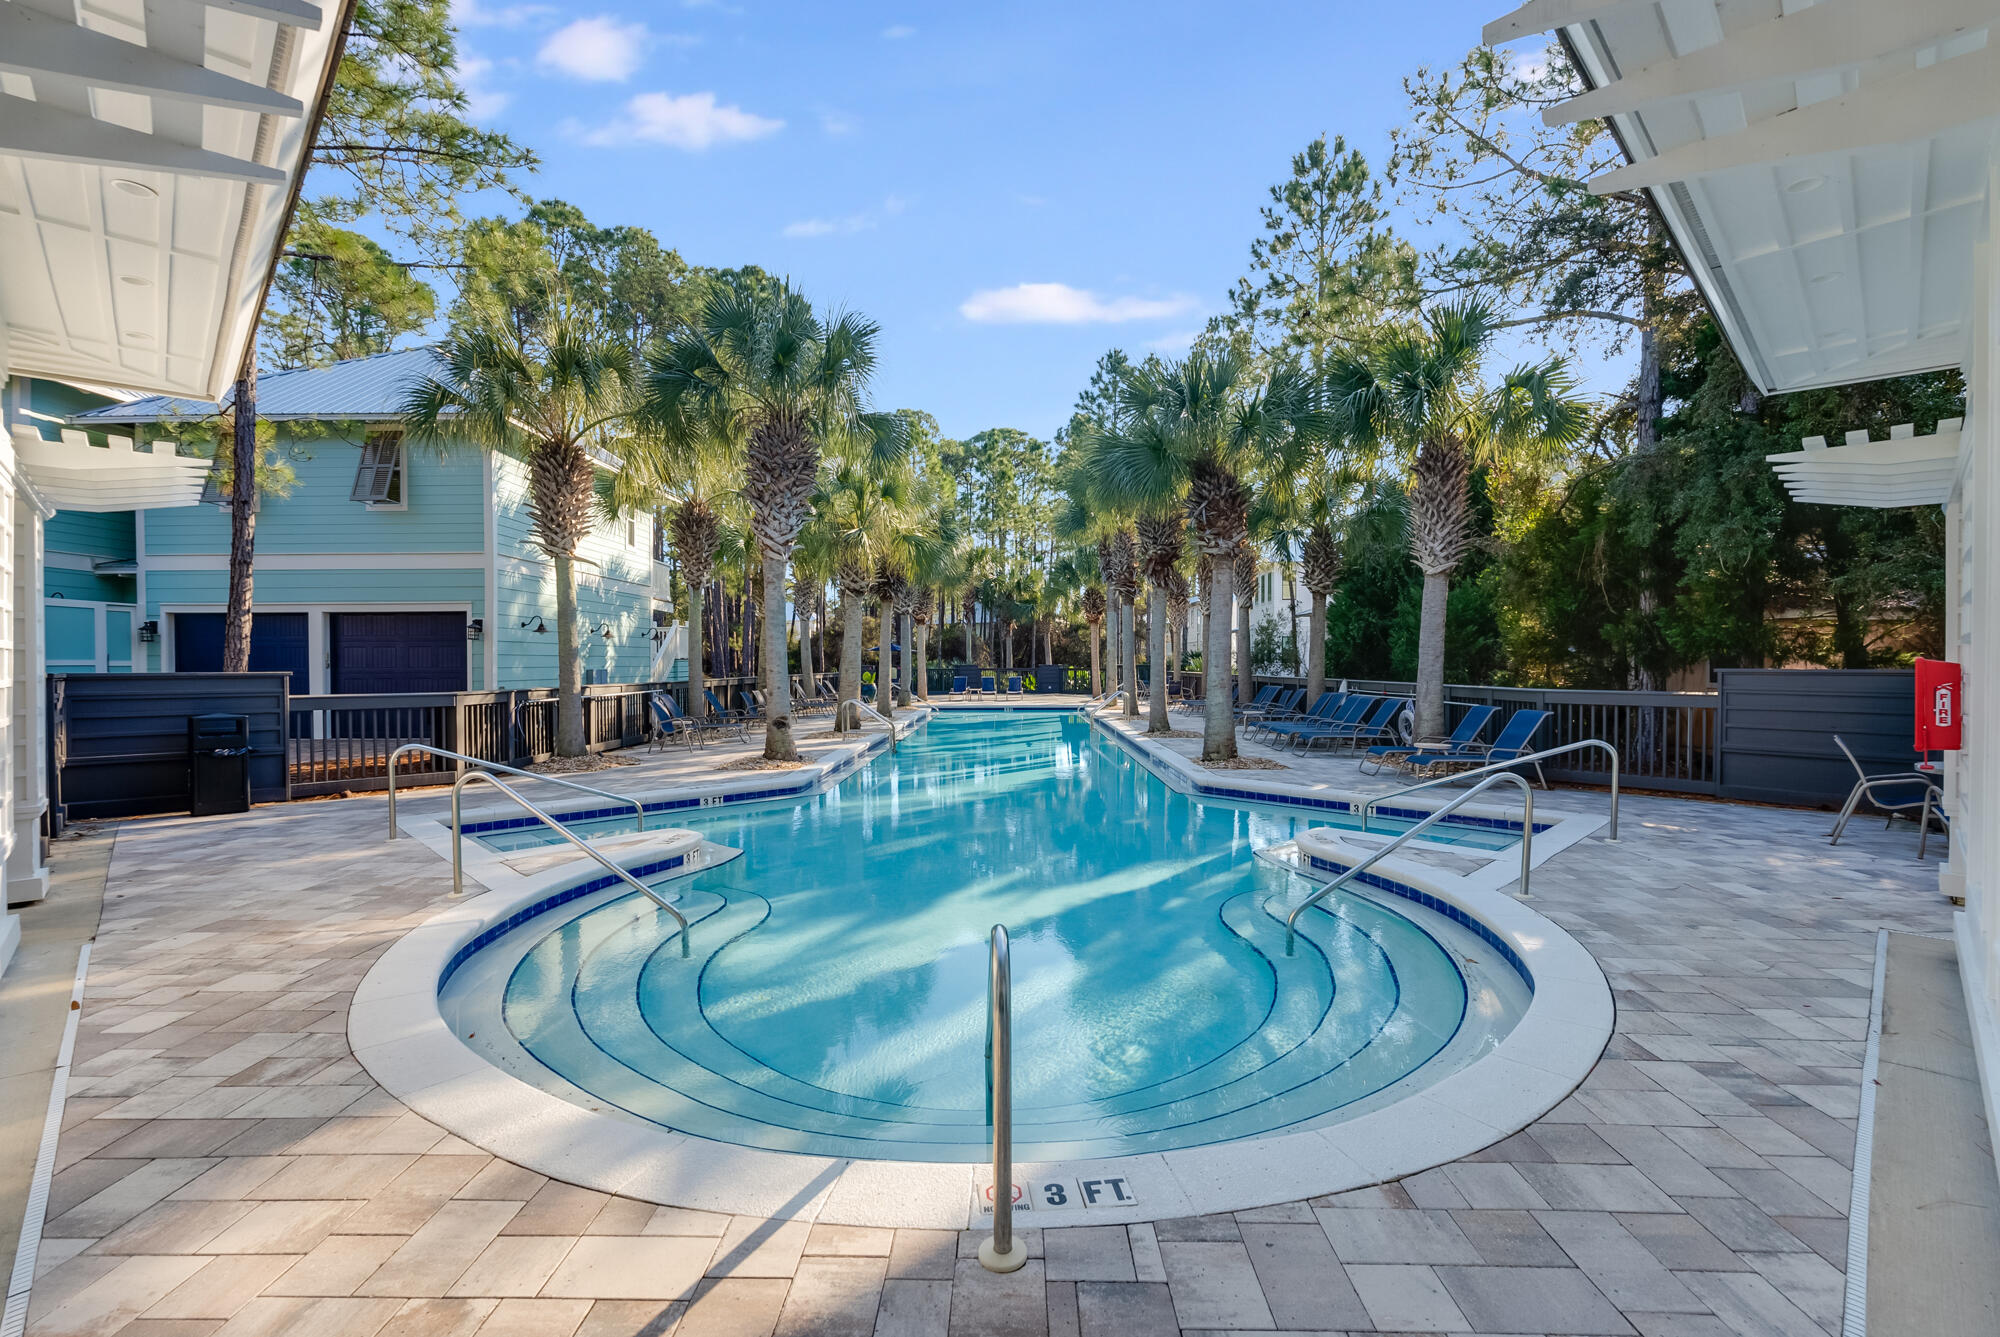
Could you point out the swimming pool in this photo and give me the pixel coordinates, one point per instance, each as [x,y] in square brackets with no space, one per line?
[834,1001]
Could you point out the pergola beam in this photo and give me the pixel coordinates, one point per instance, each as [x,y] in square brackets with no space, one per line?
[34,130]
[286,13]
[37,45]
[1897,110]
[1830,35]
[1546,15]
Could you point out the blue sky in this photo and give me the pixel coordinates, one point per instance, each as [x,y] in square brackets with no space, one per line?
[1008,189]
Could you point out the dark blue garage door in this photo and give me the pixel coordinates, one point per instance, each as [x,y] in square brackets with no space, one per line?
[398,652]
[277,644]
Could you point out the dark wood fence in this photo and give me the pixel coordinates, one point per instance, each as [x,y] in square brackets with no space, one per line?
[118,742]
[1765,734]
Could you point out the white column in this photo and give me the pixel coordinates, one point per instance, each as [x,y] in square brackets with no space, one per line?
[27,876]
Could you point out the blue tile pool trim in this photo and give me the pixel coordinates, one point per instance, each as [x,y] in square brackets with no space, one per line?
[1323,804]
[554,900]
[1436,904]
[835,772]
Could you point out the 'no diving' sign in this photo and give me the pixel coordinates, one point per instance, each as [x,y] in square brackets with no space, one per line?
[1049,1194]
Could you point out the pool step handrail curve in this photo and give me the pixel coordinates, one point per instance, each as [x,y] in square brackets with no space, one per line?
[483,764]
[1498,777]
[1502,766]
[862,707]
[458,853]
[1001,1253]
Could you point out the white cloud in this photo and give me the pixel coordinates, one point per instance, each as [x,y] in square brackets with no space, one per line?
[474,14]
[1060,304]
[861,222]
[600,49]
[836,123]
[481,102]
[898,32]
[691,121]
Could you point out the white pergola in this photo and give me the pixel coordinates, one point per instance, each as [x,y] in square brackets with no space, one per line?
[1827,169]
[150,154]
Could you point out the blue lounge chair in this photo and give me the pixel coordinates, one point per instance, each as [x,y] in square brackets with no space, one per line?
[1472,724]
[1341,712]
[957,686]
[735,719]
[1255,706]
[1320,711]
[1377,723]
[1515,741]
[1014,684]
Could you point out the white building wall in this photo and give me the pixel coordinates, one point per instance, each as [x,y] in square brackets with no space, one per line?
[1973,631]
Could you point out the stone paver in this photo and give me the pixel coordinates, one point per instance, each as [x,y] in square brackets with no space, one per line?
[227,1168]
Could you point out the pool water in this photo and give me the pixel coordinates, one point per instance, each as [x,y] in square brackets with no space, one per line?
[835,998]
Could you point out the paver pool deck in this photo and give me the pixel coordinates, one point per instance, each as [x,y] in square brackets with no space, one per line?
[226,1167]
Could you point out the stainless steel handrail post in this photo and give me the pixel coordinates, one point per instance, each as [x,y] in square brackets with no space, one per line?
[458,839]
[637,807]
[1499,766]
[1527,845]
[862,707]
[1002,1253]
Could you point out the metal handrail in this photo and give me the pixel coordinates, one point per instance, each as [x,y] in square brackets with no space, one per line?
[1104,705]
[1002,1253]
[637,806]
[458,838]
[1527,845]
[1498,766]
[863,708]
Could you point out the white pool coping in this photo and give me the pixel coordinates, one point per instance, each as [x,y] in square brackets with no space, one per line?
[400,1037]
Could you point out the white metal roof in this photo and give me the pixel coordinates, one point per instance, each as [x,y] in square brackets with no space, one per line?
[149,152]
[1823,167]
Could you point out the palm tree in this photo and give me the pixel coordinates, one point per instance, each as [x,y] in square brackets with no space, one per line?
[691,489]
[761,367]
[1123,576]
[862,512]
[555,391]
[1160,554]
[1192,431]
[1246,595]
[1093,617]
[1418,390]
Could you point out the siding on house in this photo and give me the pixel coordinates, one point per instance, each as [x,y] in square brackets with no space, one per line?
[445,511]
[91,534]
[64,583]
[614,589]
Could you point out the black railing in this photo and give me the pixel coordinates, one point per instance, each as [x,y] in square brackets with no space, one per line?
[343,742]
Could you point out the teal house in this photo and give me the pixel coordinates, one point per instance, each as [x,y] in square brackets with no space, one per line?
[386,567]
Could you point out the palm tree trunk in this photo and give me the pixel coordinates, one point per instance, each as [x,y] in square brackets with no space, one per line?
[1430,655]
[569,663]
[1156,627]
[1316,649]
[850,657]
[1096,681]
[242,523]
[885,686]
[1218,732]
[1128,644]
[697,703]
[779,745]
[923,635]
[806,646]
[905,680]
[1246,672]
[1111,657]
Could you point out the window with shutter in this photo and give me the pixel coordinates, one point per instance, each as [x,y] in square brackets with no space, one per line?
[379,480]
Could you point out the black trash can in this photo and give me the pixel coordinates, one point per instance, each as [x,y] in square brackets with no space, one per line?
[218,764]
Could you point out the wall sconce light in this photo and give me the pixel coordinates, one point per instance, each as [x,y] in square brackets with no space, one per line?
[536,625]
[604,630]
[149,631]
[475,629]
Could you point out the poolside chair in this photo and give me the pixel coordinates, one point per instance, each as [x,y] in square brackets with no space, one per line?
[668,724]
[1255,706]
[804,703]
[1377,723]
[1934,802]
[1515,741]
[957,685]
[1321,710]
[1888,792]
[1472,724]
[1337,714]
[1014,684]
[738,720]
